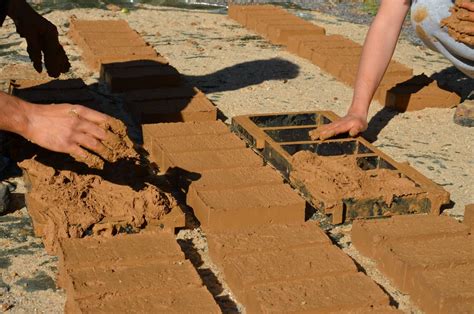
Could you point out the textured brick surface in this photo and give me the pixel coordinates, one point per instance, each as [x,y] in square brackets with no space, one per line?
[430,258]
[220,211]
[469,216]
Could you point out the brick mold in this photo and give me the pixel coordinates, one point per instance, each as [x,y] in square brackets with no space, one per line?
[308,41]
[430,258]
[282,135]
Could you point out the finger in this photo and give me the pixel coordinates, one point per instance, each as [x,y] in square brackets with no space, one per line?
[92,129]
[354,131]
[337,128]
[94,145]
[34,51]
[81,155]
[90,115]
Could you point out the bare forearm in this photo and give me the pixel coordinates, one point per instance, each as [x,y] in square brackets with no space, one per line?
[378,50]
[13,114]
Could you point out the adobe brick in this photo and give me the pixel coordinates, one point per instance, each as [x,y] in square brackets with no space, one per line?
[244,271]
[265,27]
[122,281]
[402,261]
[332,41]
[202,161]
[323,295]
[221,211]
[96,44]
[196,108]
[187,300]
[104,26]
[369,236]
[193,143]
[222,179]
[469,216]
[155,75]
[123,250]
[264,238]
[444,290]
[253,18]
[244,16]
[163,130]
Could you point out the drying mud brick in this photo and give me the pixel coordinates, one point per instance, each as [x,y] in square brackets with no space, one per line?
[193,143]
[264,238]
[403,261]
[197,162]
[220,211]
[126,40]
[262,26]
[187,300]
[53,91]
[294,42]
[244,271]
[328,294]
[68,204]
[369,237]
[152,108]
[240,13]
[280,34]
[411,95]
[445,290]
[151,132]
[255,18]
[224,179]
[142,74]
[469,216]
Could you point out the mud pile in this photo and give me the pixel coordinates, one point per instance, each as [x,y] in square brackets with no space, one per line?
[458,24]
[64,203]
[117,146]
[336,178]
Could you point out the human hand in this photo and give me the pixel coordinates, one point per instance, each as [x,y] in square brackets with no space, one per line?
[67,128]
[41,37]
[352,123]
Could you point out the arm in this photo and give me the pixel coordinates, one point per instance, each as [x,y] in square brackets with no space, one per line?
[61,128]
[376,54]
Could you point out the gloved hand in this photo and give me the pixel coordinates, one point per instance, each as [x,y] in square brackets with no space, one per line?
[41,37]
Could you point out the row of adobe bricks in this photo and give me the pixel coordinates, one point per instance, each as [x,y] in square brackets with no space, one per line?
[431,258]
[153,90]
[339,56]
[270,258]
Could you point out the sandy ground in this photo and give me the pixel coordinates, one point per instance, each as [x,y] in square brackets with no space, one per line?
[242,74]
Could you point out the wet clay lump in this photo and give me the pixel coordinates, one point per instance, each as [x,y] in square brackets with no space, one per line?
[458,24]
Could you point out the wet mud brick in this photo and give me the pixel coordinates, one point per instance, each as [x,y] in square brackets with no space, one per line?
[306,48]
[239,13]
[193,143]
[261,24]
[327,294]
[253,18]
[371,236]
[79,29]
[469,216]
[295,41]
[223,210]
[170,104]
[95,43]
[53,91]
[187,300]
[265,238]
[283,265]
[151,132]
[196,162]
[223,179]
[408,97]
[139,74]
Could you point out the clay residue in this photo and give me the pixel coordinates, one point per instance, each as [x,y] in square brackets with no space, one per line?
[420,14]
[335,178]
[116,146]
[459,26]
[66,204]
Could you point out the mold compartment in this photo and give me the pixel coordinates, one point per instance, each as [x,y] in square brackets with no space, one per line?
[286,120]
[329,148]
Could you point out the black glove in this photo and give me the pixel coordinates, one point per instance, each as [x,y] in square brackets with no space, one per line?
[41,37]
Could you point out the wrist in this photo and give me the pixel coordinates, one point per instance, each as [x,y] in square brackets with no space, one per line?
[358,110]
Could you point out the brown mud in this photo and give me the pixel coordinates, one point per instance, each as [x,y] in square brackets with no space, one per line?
[339,177]
[70,200]
[459,26]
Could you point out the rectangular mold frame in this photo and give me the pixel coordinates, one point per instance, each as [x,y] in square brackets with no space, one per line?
[281,159]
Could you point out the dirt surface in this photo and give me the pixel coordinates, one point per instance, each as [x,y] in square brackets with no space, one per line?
[339,177]
[242,73]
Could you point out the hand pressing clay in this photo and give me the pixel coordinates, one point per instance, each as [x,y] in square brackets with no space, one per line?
[117,146]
